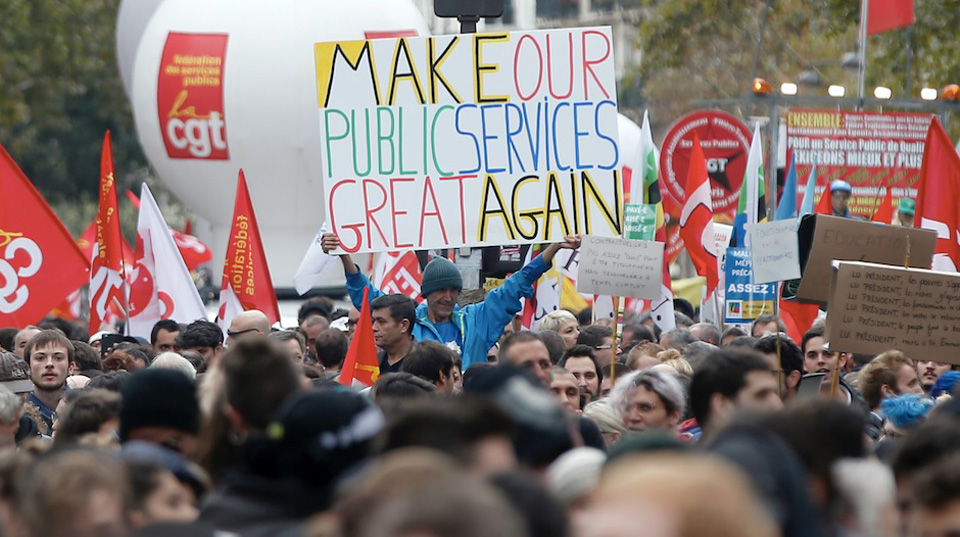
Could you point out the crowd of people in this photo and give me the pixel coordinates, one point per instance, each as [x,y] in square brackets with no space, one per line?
[473,427]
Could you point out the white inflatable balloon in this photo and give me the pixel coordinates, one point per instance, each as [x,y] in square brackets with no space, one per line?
[220,85]
[132,18]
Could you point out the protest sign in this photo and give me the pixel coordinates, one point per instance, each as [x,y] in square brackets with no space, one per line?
[824,239]
[866,149]
[745,300]
[620,267]
[875,308]
[469,140]
[639,221]
[776,252]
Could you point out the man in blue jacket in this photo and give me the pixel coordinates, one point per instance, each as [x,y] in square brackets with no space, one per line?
[470,330]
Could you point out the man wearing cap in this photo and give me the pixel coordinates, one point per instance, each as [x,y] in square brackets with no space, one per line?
[840,191]
[470,330]
[160,407]
[905,212]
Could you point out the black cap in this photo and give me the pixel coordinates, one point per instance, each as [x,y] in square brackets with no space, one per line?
[159,398]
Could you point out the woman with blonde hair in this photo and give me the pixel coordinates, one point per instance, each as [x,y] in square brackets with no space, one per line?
[564,323]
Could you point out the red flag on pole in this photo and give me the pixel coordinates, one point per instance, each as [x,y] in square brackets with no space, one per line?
[40,263]
[246,281]
[107,285]
[360,366]
[884,212]
[696,218]
[885,15]
[938,193]
[825,205]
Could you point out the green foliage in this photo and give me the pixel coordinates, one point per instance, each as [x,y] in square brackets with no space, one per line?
[60,90]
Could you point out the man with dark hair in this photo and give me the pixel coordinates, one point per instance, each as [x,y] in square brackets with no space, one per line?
[767,323]
[87,360]
[614,372]
[731,334]
[677,339]
[50,356]
[8,337]
[163,336]
[401,385]
[817,357]
[527,351]
[473,329]
[788,368]
[555,345]
[204,337]
[313,306]
[635,333]
[600,339]
[394,317]
[728,381]
[433,362]
[332,347]
[937,494]
[930,442]
[160,406]
[564,387]
[311,327]
[706,332]
[581,362]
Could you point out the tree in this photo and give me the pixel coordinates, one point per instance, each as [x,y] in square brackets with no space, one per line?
[60,90]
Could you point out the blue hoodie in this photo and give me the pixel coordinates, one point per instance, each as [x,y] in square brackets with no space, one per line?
[479,325]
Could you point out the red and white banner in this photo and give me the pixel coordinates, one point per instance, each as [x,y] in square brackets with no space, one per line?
[938,201]
[246,281]
[40,263]
[192,249]
[107,283]
[399,272]
[161,286]
[696,220]
[869,150]
[190,96]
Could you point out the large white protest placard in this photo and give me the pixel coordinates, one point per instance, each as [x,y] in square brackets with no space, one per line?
[776,251]
[875,308]
[469,140]
[620,267]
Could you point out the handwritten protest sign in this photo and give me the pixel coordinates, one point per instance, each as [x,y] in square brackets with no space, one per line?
[776,251]
[469,140]
[620,267]
[875,308]
[824,239]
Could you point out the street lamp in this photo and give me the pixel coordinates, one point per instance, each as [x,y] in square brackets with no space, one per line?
[789,88]
[836,91]
[929,94]
[881,92]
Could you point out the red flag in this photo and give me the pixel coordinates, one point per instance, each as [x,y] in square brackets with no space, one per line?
[797,317]
[884,15]
[696,218]
[40,263]
[399,272]
[106,266]
[246,281]
[360,366]
[825,205]
[884,212]
[937,196]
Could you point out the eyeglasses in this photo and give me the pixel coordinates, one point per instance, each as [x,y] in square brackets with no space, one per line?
[602,347]
[242,332]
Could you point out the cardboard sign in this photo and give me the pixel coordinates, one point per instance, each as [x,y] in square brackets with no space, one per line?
[620,267]
[875,308]
[639,221]
[824,239]
[469,140]
[776,251]
[744,299]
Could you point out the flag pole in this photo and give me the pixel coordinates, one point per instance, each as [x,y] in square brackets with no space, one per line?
[862,50]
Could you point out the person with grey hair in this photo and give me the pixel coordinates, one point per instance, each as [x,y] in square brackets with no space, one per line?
[678,338]
[607,419]
[649,400]
[706,332]
[10,411]
[172,360]
[696,352]
[293,342]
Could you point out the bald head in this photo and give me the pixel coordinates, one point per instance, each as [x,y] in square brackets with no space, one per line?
[250,323]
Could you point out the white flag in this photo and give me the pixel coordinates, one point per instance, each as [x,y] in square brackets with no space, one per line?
[315,263]
[161,286]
